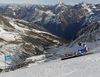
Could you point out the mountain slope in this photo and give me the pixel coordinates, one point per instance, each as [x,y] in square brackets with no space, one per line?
[91,33]
[59,19]
[23,41]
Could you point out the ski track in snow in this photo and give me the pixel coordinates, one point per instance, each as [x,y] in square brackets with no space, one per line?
[85,66]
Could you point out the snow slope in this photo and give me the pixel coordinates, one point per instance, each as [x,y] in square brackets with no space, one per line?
[20,39]
[85,66]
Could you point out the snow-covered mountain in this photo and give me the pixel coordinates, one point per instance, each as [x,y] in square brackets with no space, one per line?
[22,41]
[92,31]
[60,19]
[25,39]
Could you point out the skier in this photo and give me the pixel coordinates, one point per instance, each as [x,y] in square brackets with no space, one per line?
[84,49]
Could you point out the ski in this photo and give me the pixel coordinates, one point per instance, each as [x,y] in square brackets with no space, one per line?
[76,55]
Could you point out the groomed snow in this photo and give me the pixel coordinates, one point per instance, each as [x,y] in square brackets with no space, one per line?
[85,66]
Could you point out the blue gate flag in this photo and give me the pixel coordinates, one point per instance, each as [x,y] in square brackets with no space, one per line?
[8,58]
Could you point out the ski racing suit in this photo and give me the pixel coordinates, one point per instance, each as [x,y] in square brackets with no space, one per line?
[84,49]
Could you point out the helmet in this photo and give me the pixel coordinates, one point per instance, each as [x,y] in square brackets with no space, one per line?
[79,43]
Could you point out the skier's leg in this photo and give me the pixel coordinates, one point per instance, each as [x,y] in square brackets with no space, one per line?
[79,51]
[85,51]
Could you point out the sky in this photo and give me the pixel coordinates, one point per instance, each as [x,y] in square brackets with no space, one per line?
[72,2]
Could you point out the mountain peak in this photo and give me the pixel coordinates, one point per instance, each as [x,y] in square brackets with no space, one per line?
[83,2]
[60,4]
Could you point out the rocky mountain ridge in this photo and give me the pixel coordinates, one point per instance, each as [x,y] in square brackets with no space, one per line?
[22,41]
[59,19]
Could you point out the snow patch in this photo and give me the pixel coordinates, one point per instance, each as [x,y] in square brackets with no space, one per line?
[85,6]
